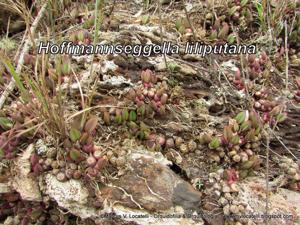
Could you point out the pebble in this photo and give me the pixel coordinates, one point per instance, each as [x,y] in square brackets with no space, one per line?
[236,148]
[62,163]
[48,162]
[254,145]
[220,149]
[192,145]
[198,152]
[226,210]
[183,148]
[215,158]
[223,201]
[178,141]
[55,171]
[222,154]
[248,146]
[109,154]
[113,160]
[292,171]
[170,143]
[226,188]
[217,186]
[211,180]
[228,196]
[244,158]
[61,176]
[213,175]
[241,208]
[236,158]
[220,171]
[121,161]
[51,152]
[249,152]
[296,177]
[217,193]
[232,153]
[234,209]
[234,188]
[73,166]
[69,173]
[54,165]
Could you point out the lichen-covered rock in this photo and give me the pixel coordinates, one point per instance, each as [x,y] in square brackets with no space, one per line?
[5,188]
[22,182]
[71,195]
[253,194]
[292,197]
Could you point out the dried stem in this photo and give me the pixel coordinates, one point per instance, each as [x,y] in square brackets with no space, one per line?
[161,31]
[112,8]
[188,19]
[25,50]
[286,57]
[267,176]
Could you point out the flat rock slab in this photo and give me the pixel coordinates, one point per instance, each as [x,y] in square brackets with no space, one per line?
[281,210]
[284,204]
[23,183]
[71,195]
[5,188]
[150,193]
[292,197]
[154,186]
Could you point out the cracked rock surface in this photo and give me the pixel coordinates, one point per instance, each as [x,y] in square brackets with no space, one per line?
[149,186]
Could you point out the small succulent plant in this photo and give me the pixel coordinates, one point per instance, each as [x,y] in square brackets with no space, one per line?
[81,37]
[223,186]
[257,65]
[96,162]
[257,68]
[217,27]
[83,137]
[21,114]
[8,145]
[238,81]
[231,176]
[89,22]
[63,65]
[81,149]
[36,166]
[220,29]
[149,96]
[291,171]
[5,123]
[224,31]
[182,25]
[238,143]
[273,113]
[121,116]
[29,60]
